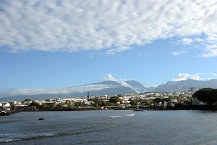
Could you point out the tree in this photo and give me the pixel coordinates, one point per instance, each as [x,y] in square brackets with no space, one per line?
[114,99]
[13,107]
[77,104]
[34,104]
[27,100]
[97,102]
[157,100]
[50,106]
[133,102]
[120,95]
[207,95]
[212,96]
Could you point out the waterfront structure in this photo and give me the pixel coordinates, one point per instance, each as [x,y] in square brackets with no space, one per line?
[5,106]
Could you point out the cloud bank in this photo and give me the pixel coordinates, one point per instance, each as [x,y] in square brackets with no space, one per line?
[109,77]
[199,76]
[111,26]
[77,89]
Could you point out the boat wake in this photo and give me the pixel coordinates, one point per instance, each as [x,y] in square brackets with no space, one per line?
[116,116]
[121,116]
[130,115]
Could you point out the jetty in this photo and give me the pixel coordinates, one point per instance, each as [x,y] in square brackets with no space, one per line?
[5,113]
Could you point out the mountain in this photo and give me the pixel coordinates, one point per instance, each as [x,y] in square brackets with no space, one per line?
[95,89]
[108,87]
[139,87]
[136,86]
[150,89]
[184,85]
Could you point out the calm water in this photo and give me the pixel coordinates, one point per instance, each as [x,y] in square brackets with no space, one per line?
[110,127]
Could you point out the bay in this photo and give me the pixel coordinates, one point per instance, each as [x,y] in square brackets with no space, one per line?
[110,127]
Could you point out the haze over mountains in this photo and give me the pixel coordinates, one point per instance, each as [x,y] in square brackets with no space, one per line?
[107,87]
[110,86]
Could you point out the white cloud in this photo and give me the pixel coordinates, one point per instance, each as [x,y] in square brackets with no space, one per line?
[198,76]
[186,41]
[111,78]
[175,53]
[181,77]
[210,51]
[78,89]
[110,26]
[195,77]
[214,74]
[117,50]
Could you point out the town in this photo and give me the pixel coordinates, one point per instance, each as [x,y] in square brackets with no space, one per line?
[147,100]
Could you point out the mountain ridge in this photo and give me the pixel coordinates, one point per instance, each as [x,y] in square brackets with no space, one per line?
[185,85]
[107,87]
[95,89]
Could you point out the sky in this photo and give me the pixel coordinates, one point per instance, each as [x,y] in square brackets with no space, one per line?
[63,43]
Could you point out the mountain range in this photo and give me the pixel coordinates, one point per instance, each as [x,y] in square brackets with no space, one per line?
[107,87]
[96,89]
[184,85]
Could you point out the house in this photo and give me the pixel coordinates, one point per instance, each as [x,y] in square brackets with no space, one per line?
[26,102]
[87,102]
[123,101]
[160,104]
[6,106]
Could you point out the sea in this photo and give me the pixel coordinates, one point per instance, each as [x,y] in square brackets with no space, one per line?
[110,127]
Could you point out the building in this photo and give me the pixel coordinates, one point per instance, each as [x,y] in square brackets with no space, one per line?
[5,106]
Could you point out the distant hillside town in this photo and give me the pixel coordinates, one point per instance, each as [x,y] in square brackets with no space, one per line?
[127,101]
[109,94]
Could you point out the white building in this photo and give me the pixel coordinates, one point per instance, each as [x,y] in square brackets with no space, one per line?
[6,106]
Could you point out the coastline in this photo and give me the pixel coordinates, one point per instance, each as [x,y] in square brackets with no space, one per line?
[198,107]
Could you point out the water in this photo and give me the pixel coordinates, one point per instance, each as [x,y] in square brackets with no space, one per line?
[110,127]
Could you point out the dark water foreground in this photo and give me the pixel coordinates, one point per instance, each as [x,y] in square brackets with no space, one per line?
[110,127]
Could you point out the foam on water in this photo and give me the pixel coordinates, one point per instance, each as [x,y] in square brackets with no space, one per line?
[121,116]
[116,116]
[130,115]
[18,136]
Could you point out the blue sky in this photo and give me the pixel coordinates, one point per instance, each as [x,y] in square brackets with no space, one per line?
[56,44]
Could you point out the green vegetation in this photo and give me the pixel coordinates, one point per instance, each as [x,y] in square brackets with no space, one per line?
[139,101]
[161,99]
[27,100]
[206,95]
[77,104]
[114,99]
[34,104]
[97,102]
[133,102]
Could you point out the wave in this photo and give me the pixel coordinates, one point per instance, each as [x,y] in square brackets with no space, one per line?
[15,137]
[9,140]
[130,115]
[120,116]
[12,137]
[116,116]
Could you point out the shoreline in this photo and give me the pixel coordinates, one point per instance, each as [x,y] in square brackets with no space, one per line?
[199,107]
